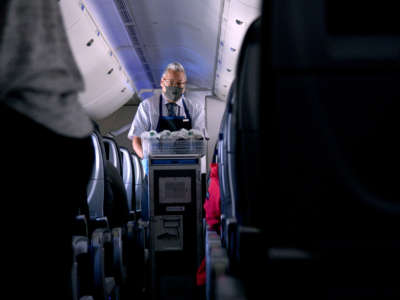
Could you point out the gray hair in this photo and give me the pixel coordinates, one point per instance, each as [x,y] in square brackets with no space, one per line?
[174,66]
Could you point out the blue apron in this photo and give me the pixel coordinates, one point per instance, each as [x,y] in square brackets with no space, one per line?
[174,123]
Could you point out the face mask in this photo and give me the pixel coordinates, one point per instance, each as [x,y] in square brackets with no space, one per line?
[173,93]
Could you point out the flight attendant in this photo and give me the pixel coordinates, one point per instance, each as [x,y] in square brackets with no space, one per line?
[169,110]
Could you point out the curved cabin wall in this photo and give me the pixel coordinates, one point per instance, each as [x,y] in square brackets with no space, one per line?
[107,85]
[237,16]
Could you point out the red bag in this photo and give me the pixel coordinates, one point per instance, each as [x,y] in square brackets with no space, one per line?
[212,207]
[201,273]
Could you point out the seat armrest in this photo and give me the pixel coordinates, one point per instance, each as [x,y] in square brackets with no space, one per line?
[103,285]
[143,228]
[80,226]
[212,239]
[132,215]
[80,245]
[119,268]
[138,214]
[109,286]
[217,262]
[228,287]
[98,222]
[231,236]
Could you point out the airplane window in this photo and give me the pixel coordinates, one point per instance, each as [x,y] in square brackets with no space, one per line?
[365,18]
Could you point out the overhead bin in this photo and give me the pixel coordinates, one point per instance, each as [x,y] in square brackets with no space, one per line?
[107,86]
[69,12]
[236,19]
[116,23]
[110,100]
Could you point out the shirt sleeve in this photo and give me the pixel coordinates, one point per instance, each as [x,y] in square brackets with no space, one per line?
[199,119]
[141,122]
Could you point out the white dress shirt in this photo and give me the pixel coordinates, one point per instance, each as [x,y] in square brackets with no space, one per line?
[147,115]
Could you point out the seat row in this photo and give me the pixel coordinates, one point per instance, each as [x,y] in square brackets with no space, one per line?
[108,241]
[307,159]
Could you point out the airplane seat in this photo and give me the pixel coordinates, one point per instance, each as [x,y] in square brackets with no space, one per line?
[243,161]
[117,210]
[132,179]
[81,271]
[224,191]
[217,245]
[116,207]
[102,245]
[344,110]
[317,188]
[245,127]
[112,153]
[139,181]
[96,185]
[142,230]
[128,171]
[230,224]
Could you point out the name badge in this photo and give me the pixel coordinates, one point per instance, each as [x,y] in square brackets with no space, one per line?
[185,120]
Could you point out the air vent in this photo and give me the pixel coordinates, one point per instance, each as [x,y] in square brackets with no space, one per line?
[132,35]
[130,28]
[90,42]
[122,8]
[110,71]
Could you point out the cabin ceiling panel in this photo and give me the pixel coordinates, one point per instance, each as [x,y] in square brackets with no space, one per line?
[179,30]
[191,59]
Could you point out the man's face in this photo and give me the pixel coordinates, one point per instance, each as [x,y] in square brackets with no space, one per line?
[173,78]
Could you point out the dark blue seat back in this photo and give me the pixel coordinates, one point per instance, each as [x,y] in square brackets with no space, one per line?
[139,180]
[331,96]
[245,152]
[112,153]
[96,187]
[316,154]
[128,172]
